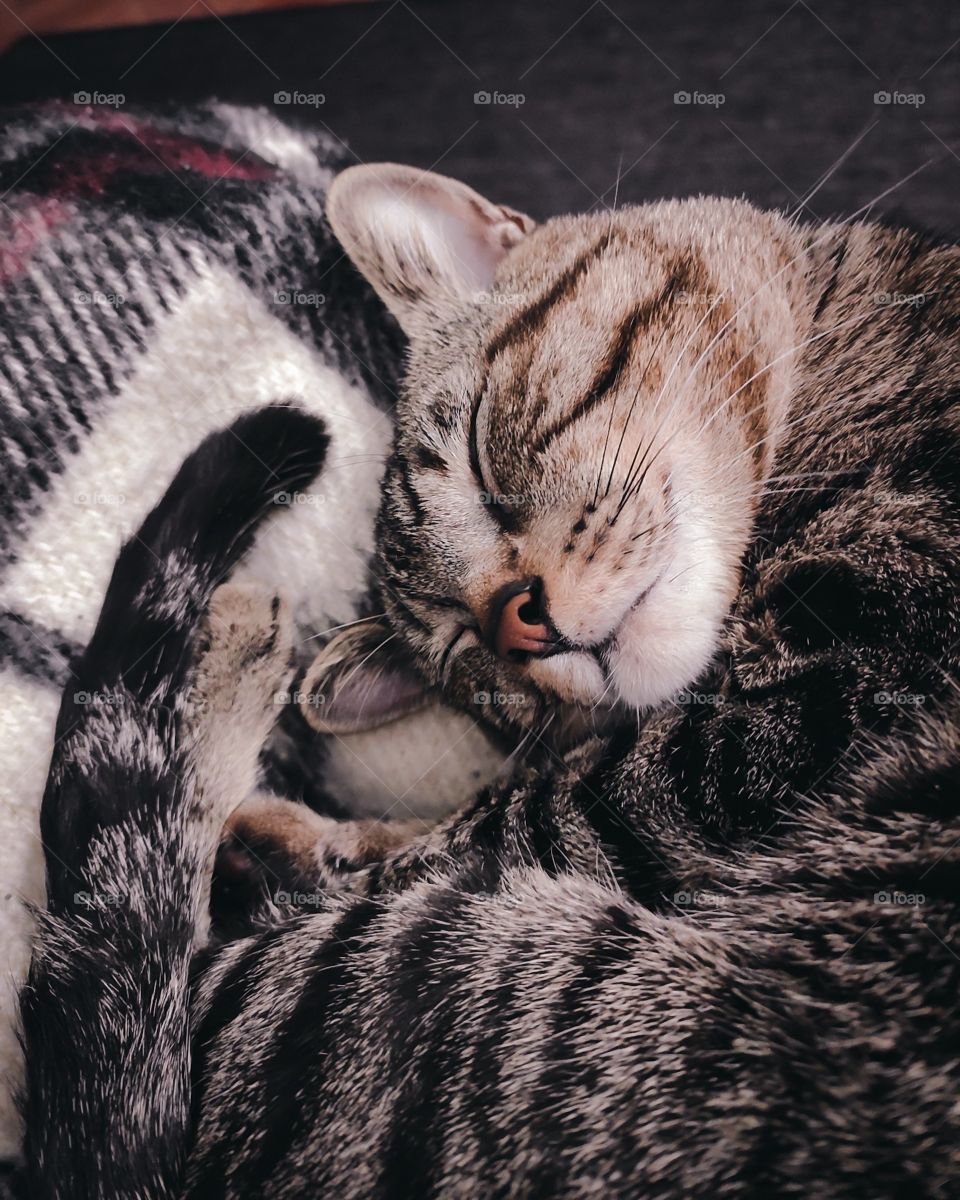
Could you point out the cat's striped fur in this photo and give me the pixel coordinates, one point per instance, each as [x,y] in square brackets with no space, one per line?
[147,768]
[711,952]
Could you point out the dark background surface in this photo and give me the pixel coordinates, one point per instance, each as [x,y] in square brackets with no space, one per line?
[598,80]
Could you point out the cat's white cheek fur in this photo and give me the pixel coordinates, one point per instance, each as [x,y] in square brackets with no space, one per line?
[667,642]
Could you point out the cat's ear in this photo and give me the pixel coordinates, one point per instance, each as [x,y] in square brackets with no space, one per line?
[360,680]
[420,238]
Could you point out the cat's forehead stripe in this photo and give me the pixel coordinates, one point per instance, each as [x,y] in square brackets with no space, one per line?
[684,273]
[529,320]
[609,370]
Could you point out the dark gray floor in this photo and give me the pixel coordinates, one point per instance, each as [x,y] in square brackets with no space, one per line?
[598,80]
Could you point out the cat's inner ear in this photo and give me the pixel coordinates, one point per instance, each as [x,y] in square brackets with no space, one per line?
[359,680]
[421,239]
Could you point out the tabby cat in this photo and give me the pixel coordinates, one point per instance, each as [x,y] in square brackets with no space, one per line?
[675,498]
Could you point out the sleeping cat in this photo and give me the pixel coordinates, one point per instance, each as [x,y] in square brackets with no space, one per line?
[675,496]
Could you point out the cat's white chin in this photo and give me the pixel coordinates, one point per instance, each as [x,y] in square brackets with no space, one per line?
[575,678]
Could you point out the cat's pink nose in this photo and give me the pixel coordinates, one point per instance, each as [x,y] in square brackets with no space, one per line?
[518,626]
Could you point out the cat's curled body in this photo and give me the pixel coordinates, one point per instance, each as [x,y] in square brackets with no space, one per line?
[715,952]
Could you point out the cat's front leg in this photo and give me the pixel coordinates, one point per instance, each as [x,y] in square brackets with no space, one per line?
[244,660]
[280,854]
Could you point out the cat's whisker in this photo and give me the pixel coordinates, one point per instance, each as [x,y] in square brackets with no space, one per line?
[633,485]
[354,460]
[726,375]
[726,468]
[533,735]
[806,475]
[663,387]
[616,186]
[697,363]
[632,488]
[825,236]
[832,170]
[815,414]
[637,536]
[366,658]
[346,625]
[629,417]
[778,359]
[603,695]
[787,491]
[632,474]
[892,188]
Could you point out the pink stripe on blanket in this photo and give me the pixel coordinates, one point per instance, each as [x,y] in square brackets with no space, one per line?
[24,224]
[176,151]
[139,148]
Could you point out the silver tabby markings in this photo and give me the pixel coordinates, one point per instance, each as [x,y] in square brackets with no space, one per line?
[723,482]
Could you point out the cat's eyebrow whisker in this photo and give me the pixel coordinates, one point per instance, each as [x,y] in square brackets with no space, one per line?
[814,414]
[832,170]
[779,358]
[629,417]
[828,232]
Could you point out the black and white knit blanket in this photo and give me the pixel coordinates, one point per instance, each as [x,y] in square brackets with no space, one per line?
[160,274]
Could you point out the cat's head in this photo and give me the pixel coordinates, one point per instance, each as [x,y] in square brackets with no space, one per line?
[588,414]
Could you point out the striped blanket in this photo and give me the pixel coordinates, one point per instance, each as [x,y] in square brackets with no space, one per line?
[162,273]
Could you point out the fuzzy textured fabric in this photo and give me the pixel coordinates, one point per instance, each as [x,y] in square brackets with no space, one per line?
[162,274]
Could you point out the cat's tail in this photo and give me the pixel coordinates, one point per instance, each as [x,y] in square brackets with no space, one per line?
[105,1009]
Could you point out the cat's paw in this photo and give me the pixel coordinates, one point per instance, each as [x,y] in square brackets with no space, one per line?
[244,653]
[244,650]
[285,849]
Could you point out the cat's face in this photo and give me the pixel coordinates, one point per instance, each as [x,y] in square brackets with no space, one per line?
[587,419]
